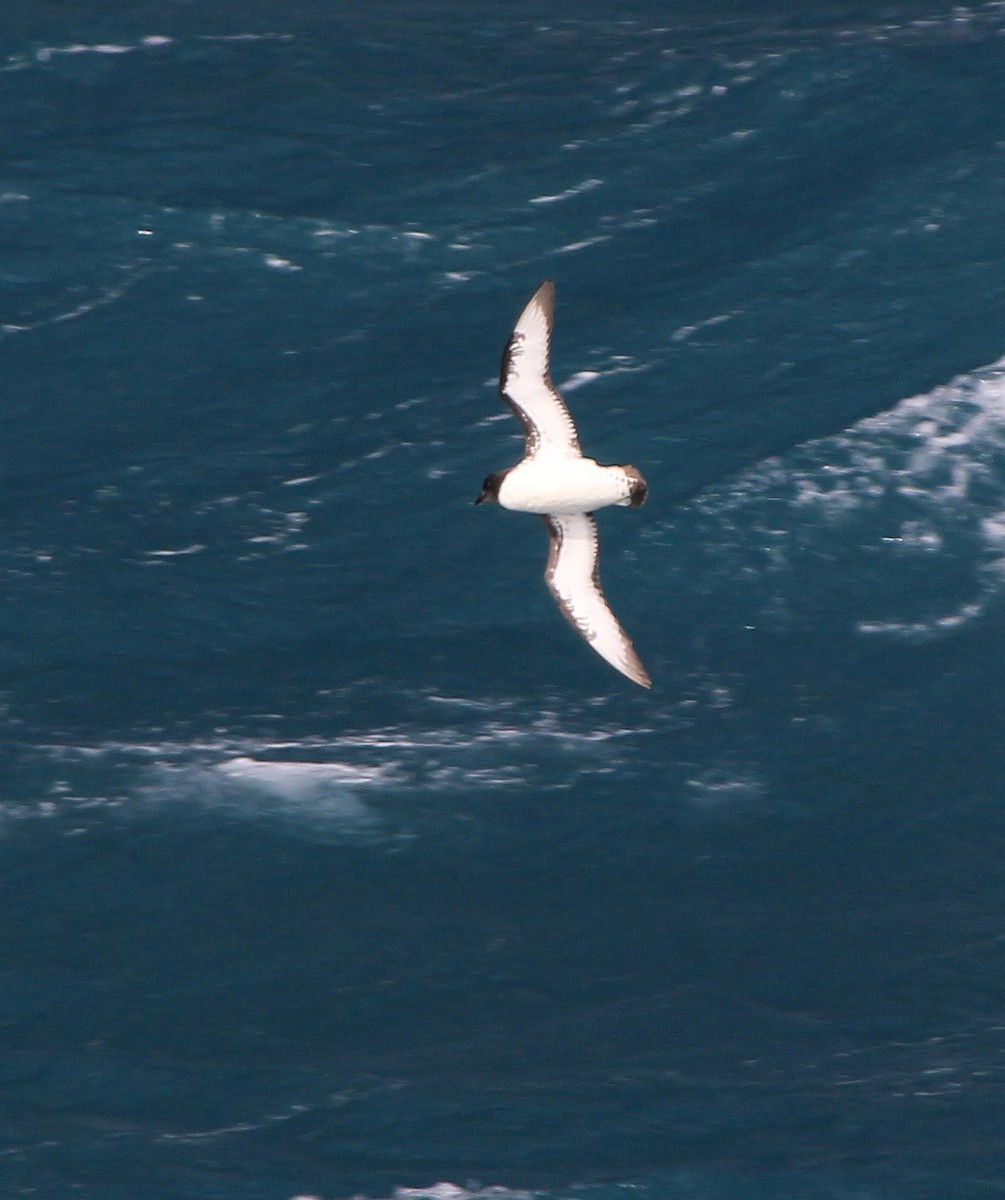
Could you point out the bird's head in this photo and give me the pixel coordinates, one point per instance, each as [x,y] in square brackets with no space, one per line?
[490,488]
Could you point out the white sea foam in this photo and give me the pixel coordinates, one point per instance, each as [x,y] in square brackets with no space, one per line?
[587,185]
[914,496]
[319,799]
[131,275]
[618,364]
[453,1191]
[578,380]
[362,785]
[719,789]
[278,263]
[246,37]
[686,331]
[572,247]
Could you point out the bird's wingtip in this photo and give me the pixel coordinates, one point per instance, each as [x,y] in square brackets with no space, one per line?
[638,674]
[545,296]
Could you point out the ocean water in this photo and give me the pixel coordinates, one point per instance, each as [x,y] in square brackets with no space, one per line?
[332,862]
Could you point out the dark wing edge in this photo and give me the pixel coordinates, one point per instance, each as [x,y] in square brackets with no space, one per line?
[545,298]
[632,668]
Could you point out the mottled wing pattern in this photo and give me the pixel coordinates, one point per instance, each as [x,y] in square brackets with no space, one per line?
[573,579]
[525,380]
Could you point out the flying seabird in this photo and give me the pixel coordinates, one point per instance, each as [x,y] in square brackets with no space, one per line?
[554,478]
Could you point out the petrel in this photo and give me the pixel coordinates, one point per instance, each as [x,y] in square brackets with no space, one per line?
[554,478]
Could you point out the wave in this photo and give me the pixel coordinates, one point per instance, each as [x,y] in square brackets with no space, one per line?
[383,785]
[898,522]
[893,529]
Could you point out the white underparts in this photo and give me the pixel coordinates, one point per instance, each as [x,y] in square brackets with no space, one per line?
[563,485]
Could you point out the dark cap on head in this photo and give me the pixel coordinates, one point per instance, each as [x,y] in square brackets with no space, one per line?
[490,488]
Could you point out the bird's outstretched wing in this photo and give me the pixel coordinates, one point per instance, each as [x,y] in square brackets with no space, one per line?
[573,579]
[525,380]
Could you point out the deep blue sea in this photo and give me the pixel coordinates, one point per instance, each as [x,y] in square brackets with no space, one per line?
[332,862]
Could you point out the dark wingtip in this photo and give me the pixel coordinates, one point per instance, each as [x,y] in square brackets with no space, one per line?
[638,489]
[545,296]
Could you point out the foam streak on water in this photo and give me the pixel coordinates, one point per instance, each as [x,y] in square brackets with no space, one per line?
[915,495]
[333,862]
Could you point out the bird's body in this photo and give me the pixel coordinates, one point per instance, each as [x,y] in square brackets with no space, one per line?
[556,480]
[572,485]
